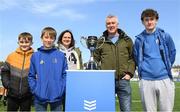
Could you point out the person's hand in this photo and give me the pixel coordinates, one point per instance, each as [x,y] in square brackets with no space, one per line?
[127,77]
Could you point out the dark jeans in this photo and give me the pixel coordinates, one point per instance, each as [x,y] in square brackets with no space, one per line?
[15,104]
[123,91]
[55,106]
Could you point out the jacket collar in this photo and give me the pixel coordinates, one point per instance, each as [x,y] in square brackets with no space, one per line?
[61,47]
[121,33]
[158,30]
[19,51]
[47,50]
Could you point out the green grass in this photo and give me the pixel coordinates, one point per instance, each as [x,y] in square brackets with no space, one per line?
[177,97]
[136,101]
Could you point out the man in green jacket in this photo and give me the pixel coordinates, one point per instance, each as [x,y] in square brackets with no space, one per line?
[116,54]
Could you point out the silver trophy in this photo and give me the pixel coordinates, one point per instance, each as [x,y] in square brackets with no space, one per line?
[92,43]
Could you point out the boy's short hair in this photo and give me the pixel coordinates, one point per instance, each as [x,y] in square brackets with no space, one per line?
[25,35]
[50,30]
[149,13]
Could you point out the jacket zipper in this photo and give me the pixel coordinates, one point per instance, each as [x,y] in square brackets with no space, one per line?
[117,58]
[20,86]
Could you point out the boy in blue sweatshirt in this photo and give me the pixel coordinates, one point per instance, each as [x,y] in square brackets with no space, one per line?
[154,53]
[47,73]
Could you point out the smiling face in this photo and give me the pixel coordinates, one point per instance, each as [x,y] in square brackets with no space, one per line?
[66,39]
[112,25]
[24,43]
[47,40]
[48,37]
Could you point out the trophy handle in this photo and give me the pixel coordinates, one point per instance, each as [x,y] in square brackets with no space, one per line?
[102,37]
[82,40]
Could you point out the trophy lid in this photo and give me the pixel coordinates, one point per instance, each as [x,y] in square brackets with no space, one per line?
[92,37]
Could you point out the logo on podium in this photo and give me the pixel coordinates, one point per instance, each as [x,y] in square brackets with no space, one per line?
[89,105]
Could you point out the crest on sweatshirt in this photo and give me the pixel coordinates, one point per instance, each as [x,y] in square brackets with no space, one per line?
[157,41]
[41,62]
[54,60]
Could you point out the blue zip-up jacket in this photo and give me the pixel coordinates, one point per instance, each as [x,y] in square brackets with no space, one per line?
[167,50]
[47,75]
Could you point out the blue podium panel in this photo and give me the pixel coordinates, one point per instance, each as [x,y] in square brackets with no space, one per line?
[90,90]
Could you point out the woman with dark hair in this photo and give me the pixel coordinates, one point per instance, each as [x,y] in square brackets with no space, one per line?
[66,44]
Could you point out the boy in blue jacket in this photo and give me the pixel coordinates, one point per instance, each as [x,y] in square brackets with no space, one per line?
[154,53]
[47,74]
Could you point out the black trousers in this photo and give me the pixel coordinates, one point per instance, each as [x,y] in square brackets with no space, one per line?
[15,104]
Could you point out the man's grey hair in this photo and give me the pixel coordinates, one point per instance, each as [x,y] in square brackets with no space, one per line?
[112,16]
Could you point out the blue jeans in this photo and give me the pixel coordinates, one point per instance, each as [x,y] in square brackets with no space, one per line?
[56,106]
[123,91]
